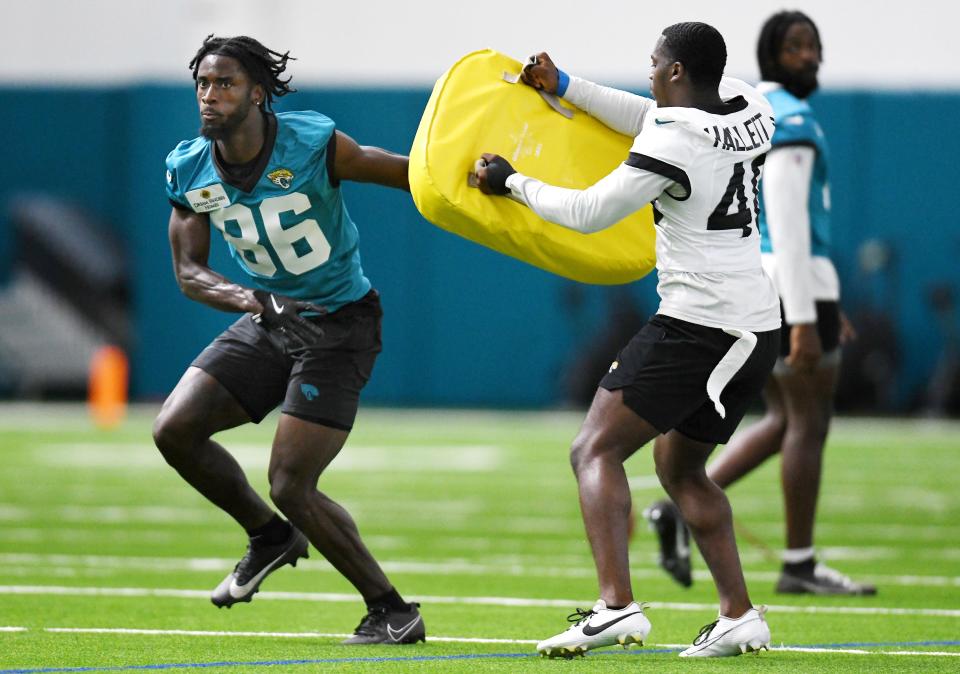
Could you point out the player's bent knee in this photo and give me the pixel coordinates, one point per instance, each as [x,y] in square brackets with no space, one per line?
[587,448]
[580,453]
[173,437]
[675,478]
[287,493]
[164,437]
[809,433]
[777,419]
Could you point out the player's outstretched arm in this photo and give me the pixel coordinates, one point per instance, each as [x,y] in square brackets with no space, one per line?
[190,246]
[608,201]
[367,164]
[622,111]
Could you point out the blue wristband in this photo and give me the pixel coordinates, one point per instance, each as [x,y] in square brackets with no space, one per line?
[563,81]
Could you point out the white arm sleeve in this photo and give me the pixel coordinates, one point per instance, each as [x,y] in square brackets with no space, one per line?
[786,193]
[607,202]
[620,110]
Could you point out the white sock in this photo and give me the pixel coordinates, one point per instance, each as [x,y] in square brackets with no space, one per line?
[797,555]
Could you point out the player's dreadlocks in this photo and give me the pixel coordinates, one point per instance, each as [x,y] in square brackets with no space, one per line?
[771,42]
[264,66]
[700,48]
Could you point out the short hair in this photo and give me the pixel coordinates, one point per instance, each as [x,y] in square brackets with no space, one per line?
[771,39]
[700,48]
[263,66]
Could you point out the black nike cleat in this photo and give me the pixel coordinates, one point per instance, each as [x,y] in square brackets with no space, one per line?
[261,560]
[665,519]
[382,625]
[822,580]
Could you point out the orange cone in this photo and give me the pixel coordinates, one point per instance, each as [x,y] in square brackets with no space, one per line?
[107,394]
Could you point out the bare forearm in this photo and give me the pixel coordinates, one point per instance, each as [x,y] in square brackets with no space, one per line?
[206,286]
[387,168]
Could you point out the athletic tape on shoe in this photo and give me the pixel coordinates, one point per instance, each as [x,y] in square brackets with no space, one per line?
[475,109]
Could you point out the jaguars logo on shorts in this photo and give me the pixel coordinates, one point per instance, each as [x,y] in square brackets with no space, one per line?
[282,177]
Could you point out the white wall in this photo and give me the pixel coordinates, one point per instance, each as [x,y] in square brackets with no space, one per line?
[911,44]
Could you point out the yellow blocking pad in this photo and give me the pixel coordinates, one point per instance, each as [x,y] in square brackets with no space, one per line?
[474,110]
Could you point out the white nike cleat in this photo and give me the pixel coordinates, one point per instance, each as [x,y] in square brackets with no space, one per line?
[597,628]
[261,560]
[725,637]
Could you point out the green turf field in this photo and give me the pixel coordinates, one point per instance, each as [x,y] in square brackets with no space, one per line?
[107,557]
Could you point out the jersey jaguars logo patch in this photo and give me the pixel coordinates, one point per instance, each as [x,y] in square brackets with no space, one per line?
[282,177]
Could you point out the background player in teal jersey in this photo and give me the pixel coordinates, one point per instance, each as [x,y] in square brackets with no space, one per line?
[311,326]
[795,230]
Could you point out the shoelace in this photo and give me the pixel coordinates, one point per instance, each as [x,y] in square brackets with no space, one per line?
[369,623]
[240,569]
[579,616]
[704,633]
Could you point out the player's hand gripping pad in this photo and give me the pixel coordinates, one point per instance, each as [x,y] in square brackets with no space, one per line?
[474,109]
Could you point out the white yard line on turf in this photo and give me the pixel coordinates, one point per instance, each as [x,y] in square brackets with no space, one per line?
[279,635]
[32,564]
[859,651]
[483,601]
[851,651]
[452,458]
[466,640]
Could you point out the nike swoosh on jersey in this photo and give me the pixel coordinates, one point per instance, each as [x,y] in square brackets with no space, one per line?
[399,634]
[276,307]
[661,122]
[237,591]
[593,630]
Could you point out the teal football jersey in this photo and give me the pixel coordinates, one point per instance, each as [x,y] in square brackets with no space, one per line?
[796,125]
[287,226]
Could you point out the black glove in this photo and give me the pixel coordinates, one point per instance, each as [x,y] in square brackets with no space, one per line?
[281,315]
[498,170]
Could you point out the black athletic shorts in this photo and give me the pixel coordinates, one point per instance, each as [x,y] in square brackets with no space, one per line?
[321,384]
[828,327]
[663,373]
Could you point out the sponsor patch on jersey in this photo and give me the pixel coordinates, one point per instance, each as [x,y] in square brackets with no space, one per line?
[209,198]
[282,177]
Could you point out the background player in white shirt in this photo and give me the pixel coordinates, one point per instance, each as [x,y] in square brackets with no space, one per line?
[687,377]
[795,227]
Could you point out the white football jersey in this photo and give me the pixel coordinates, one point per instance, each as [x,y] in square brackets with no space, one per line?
[701,168]
[708,244]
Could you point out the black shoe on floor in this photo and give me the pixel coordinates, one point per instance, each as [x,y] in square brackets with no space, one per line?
[382,625]
[261,560]
[665,519]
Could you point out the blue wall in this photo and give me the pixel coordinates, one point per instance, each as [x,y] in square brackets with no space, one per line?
[464,325]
